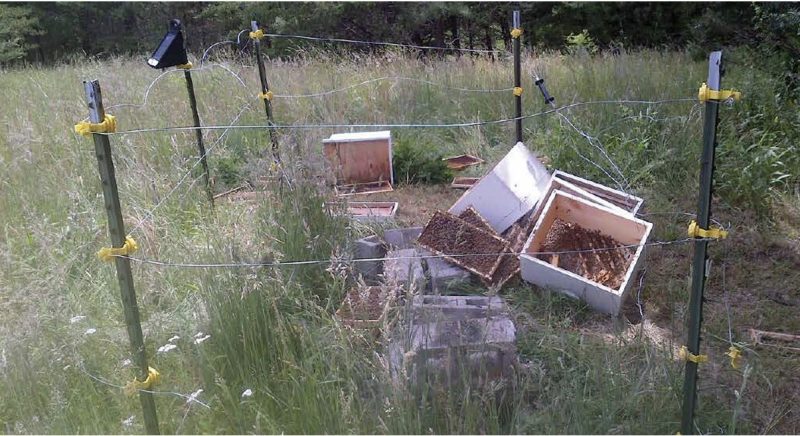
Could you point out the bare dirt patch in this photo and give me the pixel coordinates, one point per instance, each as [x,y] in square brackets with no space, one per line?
[607,266]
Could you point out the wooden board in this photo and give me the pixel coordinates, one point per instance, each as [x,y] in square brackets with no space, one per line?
[570,208]
[627,202]
[458,163]
[372,210]
[464,182]
[357,161]
[363,188]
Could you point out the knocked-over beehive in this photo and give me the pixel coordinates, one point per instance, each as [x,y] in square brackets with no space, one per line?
[584,250]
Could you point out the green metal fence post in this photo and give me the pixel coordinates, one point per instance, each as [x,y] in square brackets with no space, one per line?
[701,246]
[116,228]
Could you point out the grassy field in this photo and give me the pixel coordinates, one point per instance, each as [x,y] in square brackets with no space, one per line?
[63,344]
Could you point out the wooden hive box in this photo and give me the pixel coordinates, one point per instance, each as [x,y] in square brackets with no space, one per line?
[627,202]
[362,159]
[621,227]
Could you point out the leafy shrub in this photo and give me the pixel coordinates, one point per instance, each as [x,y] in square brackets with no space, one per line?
[415,161]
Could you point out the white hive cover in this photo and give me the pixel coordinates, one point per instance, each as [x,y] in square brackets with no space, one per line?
[510,190]
[359,136]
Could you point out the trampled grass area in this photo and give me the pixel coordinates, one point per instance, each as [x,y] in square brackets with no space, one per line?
[63,344]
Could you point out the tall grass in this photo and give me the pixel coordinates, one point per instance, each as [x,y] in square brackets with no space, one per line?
[272,329]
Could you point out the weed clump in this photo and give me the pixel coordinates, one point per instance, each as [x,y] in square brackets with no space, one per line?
[415,161]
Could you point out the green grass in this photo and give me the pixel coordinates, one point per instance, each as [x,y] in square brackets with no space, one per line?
[272,329]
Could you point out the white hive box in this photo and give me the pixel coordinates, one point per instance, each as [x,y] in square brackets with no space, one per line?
[508,191]
[561,184]
[362,158]
[624,201]
[622,227]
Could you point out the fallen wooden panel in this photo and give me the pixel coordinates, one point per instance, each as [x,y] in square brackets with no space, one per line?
[372,210]
[460,162]
[775,339]
[231,191]
[460,182]
[360,158]
[568,208]
[624,201]
[363,188]
[469,247]
[508,191]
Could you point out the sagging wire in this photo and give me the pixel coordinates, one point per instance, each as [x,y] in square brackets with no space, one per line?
[394,78]
[160,76]
[150,214]
[432,256]
[396,125]
[388,44]
[594,142]
[237,42]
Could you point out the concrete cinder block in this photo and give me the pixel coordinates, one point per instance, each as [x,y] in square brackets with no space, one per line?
[444,275]
[481,349]
[430,308]
[404,268]
[370,248]
[402,238]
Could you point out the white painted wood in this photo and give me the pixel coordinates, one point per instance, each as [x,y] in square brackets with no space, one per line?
[630,203]
[508,191]
[571,208]
[359,136]
[565,186]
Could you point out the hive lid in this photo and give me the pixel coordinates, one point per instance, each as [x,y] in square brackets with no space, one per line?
[359,136]
[508,191]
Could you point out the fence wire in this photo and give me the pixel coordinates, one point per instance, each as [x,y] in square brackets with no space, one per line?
[394,125]
[386,44]
[431,256]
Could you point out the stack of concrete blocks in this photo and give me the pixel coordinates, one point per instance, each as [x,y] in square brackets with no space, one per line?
[369,248]
[448,340]
[406,264]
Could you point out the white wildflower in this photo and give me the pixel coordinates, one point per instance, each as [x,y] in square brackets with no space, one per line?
[247,393]
[166,348]
[75,319]
[128,422]
[126,363]
[193,396]
[90,331]
[201,340]
[173,339]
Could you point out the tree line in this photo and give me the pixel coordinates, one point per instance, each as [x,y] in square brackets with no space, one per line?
[49,32]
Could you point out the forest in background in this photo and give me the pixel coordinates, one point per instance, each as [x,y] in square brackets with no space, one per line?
[49,32]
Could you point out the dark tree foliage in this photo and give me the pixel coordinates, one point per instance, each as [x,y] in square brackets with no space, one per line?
[51,32]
